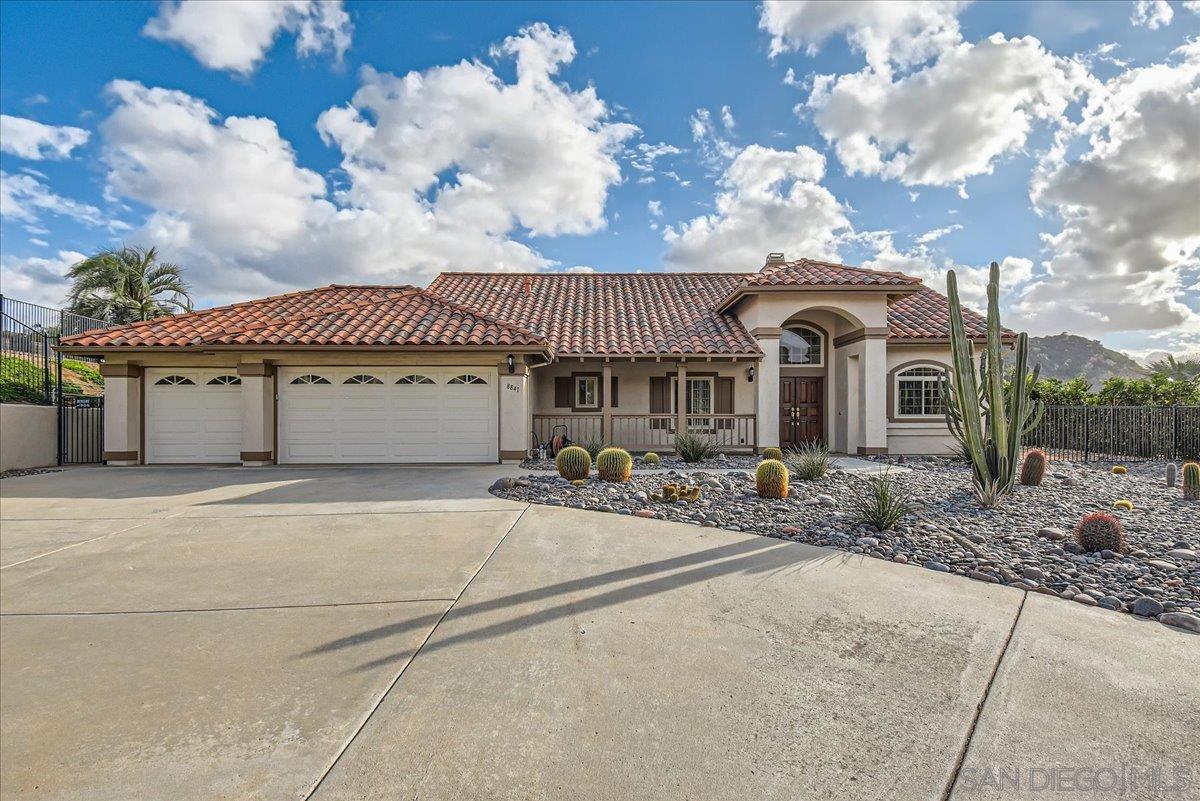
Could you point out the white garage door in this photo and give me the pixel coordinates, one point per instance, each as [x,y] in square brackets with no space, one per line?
[372,414]
[193,416]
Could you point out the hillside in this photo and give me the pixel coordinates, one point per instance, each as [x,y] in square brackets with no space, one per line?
[1066,356]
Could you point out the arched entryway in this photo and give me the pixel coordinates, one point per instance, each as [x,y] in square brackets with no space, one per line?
[803,358]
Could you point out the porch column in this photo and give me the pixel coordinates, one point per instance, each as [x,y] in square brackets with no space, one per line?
[606,429]
[681,400]
[258,413]
[122,413]
[766,424]
[873,396]
[515,413]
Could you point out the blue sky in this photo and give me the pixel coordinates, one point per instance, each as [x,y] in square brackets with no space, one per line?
[269,146]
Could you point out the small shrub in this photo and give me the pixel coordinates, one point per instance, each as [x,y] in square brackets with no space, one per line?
[693,448]
[593,448]
[1118,470]
[1191,481]
[573,463]
[651,458]
[772,453]
[771,479]
[1122,503]
[614,464]
[881,502]
[1100,531]
[808,462]
[1033,469]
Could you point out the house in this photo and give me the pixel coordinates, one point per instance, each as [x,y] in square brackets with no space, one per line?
[465,369]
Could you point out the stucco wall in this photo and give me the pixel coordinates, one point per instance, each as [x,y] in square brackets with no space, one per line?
[917,438]
[633,383]
[28,436]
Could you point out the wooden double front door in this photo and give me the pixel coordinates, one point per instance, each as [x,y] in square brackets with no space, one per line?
[801,410]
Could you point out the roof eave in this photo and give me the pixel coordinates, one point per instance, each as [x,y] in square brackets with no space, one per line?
[100,350]
[754,289]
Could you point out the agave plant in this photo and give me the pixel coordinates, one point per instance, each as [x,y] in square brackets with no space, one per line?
[987,417]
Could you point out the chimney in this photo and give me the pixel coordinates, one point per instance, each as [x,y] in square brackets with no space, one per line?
[774,259]
[527,284]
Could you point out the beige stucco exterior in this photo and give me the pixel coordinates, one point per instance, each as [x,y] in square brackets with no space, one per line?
[28,436]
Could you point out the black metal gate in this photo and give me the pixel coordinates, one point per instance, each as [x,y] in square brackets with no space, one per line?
[80,429]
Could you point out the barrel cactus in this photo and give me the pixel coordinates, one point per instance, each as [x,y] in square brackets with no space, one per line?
[771,479]
[772,453]
[1123,503]
[652,459]
[573,463]
[1118,470]
[672,492]
[1100,531]
[1170,475]
[1191,481]
[1033,469]
[614,464]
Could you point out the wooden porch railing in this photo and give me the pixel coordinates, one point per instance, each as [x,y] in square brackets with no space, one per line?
[650,432]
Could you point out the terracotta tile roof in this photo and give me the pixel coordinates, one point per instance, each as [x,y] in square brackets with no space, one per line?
[612,313]
[332,315]
[926,315]
[808,272]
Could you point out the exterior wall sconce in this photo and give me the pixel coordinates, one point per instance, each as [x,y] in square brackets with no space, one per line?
[512,364]
[750,374]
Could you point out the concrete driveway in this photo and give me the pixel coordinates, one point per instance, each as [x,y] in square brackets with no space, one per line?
[361,633]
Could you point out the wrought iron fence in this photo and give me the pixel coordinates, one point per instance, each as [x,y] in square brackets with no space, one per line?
[1128,433]
[30,369]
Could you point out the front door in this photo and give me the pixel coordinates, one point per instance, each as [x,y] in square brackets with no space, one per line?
[801,410]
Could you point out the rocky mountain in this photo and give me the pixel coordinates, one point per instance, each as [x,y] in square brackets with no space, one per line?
[1067,356]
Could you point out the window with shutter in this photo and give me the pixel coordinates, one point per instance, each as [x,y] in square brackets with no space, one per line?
[562,392]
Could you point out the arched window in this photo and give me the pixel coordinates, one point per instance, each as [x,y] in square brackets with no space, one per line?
[466,379]
[174,381]
[919,392]
[413,378]
[801,345]
[362,378]
[224,381]
[309,378]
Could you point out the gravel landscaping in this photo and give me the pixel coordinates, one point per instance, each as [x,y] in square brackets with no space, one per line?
[1027,543]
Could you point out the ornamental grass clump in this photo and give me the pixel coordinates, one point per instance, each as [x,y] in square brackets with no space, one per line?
[772,453]
[808,462]
[692,448]
[771,479]
[593,447]
[880,501]
[1033,469]
[614,464]
[1100,531]
[573,463]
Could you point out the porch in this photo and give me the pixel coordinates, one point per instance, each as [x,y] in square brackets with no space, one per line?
[650,432]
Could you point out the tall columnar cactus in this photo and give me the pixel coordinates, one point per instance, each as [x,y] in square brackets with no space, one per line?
[1191,481]
[573,463]
[1170,475]
[614,464]
[986,417]
[1033,469]
[771,479]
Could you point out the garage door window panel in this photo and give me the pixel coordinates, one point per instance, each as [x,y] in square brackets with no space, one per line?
[416,380]
[467,379]
[362,379]
[174,381]
[310,379]
[224,381]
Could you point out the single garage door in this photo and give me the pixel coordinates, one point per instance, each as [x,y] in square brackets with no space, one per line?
[193,416]
[372,414]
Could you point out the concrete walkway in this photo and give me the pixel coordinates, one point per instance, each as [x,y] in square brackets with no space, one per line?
[338,633]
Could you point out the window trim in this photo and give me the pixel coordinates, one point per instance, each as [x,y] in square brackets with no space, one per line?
[708,378]
[820,338]
[893,391]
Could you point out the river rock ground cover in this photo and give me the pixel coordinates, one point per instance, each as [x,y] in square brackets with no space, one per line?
[1026,543]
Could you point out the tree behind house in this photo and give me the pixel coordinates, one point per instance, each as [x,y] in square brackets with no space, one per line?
[127,285]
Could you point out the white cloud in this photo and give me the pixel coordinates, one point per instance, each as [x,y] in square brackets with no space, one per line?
[1152,14]
[38,280]
[33,140]
[937,233]
[727,119]
[899,32]
[655,207]
[24,197]
[949,121]
[1192,6]
[644,155]
[439,170]
[39,242]
[716,150]
[769,200]
[580,269]
[235,35]
[1128,251]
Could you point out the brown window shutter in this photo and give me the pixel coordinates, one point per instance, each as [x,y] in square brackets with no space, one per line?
[562,392]
[659,387]
[614,392]
[724,400]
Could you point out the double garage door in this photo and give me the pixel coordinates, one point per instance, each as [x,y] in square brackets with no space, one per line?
[328,415]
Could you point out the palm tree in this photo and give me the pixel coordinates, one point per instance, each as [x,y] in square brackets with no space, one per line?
[127,285]
[1176,369]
